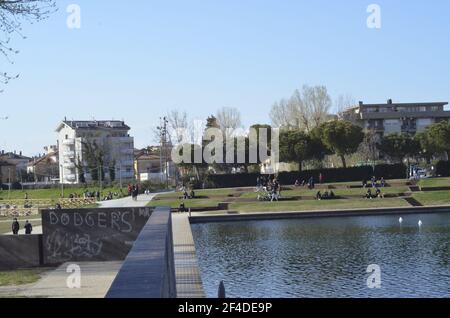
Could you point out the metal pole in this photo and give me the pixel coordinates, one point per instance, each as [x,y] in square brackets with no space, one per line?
[120,174]
[9,179]
[62,181]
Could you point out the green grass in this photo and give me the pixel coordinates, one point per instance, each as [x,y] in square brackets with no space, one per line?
[311,205]
[339,192]
[20,277]
[433,198]
[435,182]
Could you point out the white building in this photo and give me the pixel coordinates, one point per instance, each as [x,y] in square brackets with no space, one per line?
[111,137]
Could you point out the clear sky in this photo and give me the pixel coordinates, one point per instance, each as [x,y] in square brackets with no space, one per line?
[135,60]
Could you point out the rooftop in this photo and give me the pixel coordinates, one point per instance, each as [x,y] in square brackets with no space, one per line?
[89,124]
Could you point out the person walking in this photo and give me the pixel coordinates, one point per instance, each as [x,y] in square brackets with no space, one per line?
[15,227]
[28,228]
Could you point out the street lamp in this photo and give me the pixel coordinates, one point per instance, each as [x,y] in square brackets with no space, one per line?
[62,181]
[9,179]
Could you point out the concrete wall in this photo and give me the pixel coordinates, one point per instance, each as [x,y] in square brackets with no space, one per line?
[149,269]
[86,235]
[20,251]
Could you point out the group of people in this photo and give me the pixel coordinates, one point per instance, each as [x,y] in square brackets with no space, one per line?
[372,195]
[133,191]
[375,183]
[15,227]
[325,196]
[311,183]
[270,187]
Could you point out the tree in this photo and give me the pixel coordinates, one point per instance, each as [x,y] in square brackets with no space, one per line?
[95,159]
[112,170]
[12,14]
[369,147]
[295,146]
[305,110]
[341,138]
[229,120]
[439,135]
[427,147]
[80,171]
[178,123]
[399,146]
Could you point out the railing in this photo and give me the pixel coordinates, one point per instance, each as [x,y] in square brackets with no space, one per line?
[149,269]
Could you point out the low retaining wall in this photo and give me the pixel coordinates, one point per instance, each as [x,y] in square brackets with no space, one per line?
[149,269]
[91,235]
[20,251]
[233,217]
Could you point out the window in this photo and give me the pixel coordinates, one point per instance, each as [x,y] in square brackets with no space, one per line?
[67,137]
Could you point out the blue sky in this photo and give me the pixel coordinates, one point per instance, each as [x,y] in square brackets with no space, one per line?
[136,62]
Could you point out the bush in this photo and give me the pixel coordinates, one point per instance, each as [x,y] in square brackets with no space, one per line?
[443,168]
[397,171]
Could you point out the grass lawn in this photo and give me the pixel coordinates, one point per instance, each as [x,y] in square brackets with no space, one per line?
[433,198]
[435,182]
[311,205]
[339,192]
[20,277]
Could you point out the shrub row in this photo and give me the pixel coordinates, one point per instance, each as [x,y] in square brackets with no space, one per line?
[397,171]
[443,168]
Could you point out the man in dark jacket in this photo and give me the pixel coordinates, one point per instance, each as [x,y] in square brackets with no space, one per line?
[15,227]
[28,228]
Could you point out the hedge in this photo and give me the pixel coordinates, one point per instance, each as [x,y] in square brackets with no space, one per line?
[397,171]
[443,168]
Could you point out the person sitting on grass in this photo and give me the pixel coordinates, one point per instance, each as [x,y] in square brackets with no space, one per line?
[182,208]
[383,182]
[297,183]
[364,183]
[192,195]
[369,194]
[326,195]
[378,194]
[318,196]
[185,195]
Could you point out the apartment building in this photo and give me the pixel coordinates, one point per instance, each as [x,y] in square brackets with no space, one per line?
[7,172]
[393,117]
[112,138]
[17,159]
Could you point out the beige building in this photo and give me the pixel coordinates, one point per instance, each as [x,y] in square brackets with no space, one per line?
[111,137]
[393,117]
[45,168]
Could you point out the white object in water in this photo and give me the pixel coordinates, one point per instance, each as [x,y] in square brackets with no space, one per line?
[400,220]
[420,223]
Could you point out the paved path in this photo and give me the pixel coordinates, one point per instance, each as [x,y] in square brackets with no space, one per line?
[96,279]
[189,282]
[128,202]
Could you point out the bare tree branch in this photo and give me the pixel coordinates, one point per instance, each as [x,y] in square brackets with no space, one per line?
[13,13]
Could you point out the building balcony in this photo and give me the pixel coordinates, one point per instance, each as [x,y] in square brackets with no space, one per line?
[68,142]
[69,165]
[127,151]
[70,177]
[127,163]
[69,154]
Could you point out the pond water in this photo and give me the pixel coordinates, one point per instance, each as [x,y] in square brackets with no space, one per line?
[326,257]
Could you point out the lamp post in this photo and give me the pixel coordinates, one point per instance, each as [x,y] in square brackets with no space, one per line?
[62,181]
[9,179]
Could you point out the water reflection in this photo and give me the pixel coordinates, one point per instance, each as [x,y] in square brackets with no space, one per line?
[326,257]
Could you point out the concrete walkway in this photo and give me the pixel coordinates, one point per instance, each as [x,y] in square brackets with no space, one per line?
[96,279]
[128,202]
[189,282]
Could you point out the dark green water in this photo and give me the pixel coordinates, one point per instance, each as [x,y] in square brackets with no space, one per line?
[326,257]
